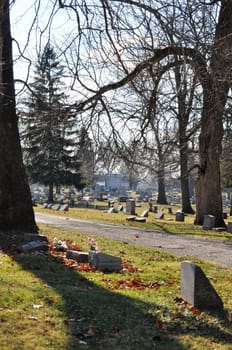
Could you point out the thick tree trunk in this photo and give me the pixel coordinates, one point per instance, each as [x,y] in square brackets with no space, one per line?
[184,178]
[161,189]
[16,212]
[50,193]
[208,185]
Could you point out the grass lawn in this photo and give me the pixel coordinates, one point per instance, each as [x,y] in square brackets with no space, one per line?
[50,302]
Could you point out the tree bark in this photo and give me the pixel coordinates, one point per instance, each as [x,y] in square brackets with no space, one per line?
[50,193]
[16,211]
[184,177]
[161,188]
[215,90]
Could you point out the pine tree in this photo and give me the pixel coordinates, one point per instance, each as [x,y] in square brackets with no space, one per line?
[49,150]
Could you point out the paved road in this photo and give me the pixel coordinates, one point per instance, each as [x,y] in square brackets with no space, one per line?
[215,251]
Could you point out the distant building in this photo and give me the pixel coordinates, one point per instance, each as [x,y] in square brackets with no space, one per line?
[115,182]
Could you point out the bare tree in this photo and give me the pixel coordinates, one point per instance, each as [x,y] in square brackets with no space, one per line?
[103,62]
[16,211]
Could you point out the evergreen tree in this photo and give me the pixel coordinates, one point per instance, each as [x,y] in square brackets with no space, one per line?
[86,155]
[48,145]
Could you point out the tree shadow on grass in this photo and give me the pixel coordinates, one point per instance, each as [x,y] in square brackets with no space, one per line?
[118,322]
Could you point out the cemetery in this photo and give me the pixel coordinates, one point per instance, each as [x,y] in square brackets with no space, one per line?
[171,296]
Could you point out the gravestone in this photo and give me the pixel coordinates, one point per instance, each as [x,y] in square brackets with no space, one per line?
[64,207]
[130,206]
[229,226]
[145,214]
[77,255]
[120,208]
[111,210]
[141,219]
[104,262]
[159,215]
[197,290]
[56,206]
[179,216]
[131,218]
[38,245]
[208,222]
[224,214]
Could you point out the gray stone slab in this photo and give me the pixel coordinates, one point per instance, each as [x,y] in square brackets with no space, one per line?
[111,210]
[131,218]
[38,245]
[140,219]
[63,207]
[159,215]
[77,255]
[120,208]
[144,214]
[130,206]
[105,262]
[196,288]
[208,222]
[179,216]
[55,206]
[229,226]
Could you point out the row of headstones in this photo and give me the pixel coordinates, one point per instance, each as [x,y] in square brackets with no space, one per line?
[196,288]
[56,206]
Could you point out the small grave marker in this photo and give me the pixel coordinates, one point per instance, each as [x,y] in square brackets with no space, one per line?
[130,206]
[56,206]
[179,216]
[145,214]
[208,222]
[34,246]
[140,219]
[120,208]
[104,262]
[111,210]
[229,226]
[197,290]
[64,207]
[131,218]
[159,215]
[77,255]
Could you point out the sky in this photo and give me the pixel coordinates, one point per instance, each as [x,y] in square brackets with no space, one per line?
[26,30]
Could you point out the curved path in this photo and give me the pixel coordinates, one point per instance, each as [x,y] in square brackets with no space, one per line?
[181,245]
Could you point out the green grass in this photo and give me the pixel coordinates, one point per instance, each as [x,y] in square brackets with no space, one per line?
[49,302]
